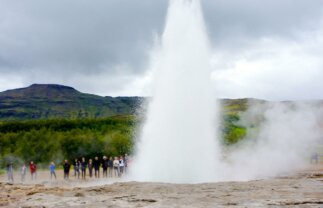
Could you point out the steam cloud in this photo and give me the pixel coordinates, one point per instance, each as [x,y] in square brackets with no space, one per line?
[281,138]
[179,141]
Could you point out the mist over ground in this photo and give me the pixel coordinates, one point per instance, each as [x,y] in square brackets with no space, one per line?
[281,138]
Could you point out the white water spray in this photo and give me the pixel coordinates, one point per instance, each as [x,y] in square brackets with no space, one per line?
[178,140]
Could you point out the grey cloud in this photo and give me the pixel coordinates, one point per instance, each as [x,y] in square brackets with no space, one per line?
[233,23]
[44,41]
[80,34]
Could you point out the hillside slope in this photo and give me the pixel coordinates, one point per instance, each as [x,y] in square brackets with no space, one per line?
[43,101]
[52,101]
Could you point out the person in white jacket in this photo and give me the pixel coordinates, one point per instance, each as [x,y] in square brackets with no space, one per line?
[116,164]
[121,165]
[23,172]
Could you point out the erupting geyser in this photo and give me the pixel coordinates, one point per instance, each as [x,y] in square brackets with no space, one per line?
[178,140]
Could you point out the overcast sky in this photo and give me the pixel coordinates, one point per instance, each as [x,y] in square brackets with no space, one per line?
[270,49]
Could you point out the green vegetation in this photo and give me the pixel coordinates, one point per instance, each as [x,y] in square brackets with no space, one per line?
[55,140]
[234,105]
[53,122]
[42,101]
[231,131]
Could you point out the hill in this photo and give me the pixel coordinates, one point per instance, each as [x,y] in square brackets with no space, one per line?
[52,101]
[47,101]
[52,122]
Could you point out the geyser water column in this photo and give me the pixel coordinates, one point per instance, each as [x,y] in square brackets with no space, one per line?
[178,140]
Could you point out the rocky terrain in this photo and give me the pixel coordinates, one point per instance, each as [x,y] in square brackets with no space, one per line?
[302,189]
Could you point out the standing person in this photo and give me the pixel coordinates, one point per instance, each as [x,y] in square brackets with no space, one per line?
[33,170]
[110,166]
[121,165]
[90,166]
[126,158]
[10,172]
[79,169]
[96,165]
[105,167]
[116,166]
[75,165]
[23,171]
[66,168]
[83,168]
[52,170]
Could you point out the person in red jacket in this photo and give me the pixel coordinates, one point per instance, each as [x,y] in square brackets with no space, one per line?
[33,170]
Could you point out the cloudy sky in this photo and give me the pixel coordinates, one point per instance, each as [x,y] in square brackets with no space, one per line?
[271,49]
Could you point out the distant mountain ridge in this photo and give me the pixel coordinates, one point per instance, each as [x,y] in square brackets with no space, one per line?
[43,101]
[50,101]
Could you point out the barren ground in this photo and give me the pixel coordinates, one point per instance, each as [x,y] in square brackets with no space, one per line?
[301,189]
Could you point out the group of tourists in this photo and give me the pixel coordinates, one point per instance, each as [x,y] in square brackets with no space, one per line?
[111,167]
[23,171]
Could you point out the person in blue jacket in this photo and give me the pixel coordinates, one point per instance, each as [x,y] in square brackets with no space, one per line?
[52,170]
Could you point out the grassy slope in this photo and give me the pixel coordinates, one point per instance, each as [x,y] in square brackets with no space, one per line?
[57,101]
[62,102]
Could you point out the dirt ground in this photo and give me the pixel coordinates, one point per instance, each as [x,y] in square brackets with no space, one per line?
[301,189]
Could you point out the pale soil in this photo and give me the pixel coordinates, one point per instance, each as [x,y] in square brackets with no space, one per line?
[302,189]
